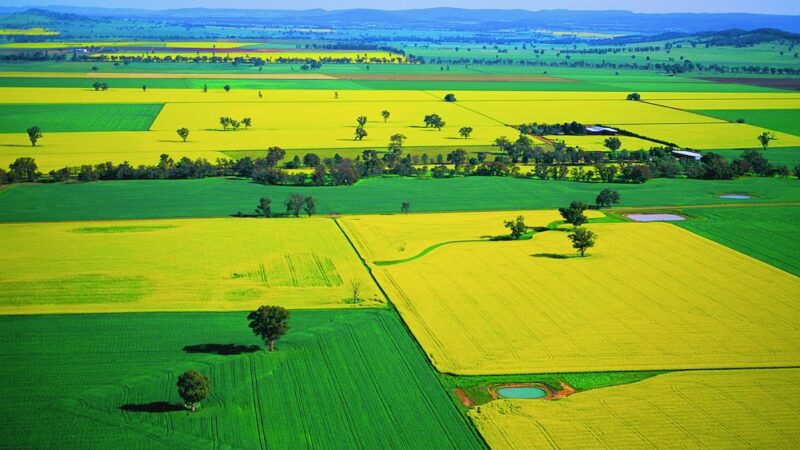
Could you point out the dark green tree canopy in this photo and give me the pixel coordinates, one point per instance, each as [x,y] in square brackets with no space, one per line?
[269,323]
[574,213]
[193,387]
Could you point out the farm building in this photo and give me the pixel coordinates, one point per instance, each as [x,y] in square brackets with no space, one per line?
[687,154]
[597,129]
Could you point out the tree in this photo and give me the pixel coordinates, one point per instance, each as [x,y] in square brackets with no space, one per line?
[311,160]
[574,213]
[434,121]
[269,323]
[361,120]
[765,138]
[227,88]
[606,198]
[225,122]
[294,204]
[310,206]
[634,96]
[205,88]
[274,155]
[355,289]
[23,169]
[144,88]
[248,122]
[103,86]
[582,239]
[360,133]
[465,132]
[34,134]
[396,142]
[264,207]
[183,133]
[405,207]
[96,85]
[613,143]
[385,114]
[450,98]
[193,387]
[516,227]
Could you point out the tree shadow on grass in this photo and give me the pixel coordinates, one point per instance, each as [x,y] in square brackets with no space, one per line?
[552,256]
[152,407]
[221,349]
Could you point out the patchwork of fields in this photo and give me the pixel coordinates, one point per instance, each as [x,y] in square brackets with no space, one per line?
[141,130]
[178,265]
[651,296]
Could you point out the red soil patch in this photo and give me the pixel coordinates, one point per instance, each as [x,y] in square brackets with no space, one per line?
[566,390]
[456,77]
[778,83]
[466,401]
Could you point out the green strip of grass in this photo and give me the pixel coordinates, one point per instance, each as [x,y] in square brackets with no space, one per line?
[785,120]
[218,197]
[340,379]
[64,117]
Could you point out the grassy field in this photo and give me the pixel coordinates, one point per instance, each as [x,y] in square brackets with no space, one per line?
[78,117]
[223,197]
[719,409]
[178,265]
[649,297]
[338,380]
[783,120]
[767,233]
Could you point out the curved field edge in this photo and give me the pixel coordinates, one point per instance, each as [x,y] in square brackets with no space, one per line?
[336,376]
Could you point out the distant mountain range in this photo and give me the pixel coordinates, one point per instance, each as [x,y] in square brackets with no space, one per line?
[452,19]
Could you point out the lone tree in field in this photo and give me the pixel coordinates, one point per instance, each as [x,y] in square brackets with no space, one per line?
[582,239]
[574,213]
[295,204]
[450,98]
[193,387]
[264,208]
[355,290]
[96,85]
[606,198]
[205,88]
[405,207]
[310,206]
[144,88]
[465,132]
[385,114]
[517,227]
[361,120]
[34,134]
[269,323]
[634,96]
[183,133]
[765,138]
[612,143]
[248,122]
[360,133]
[227,88]
[435,121]
[225,122]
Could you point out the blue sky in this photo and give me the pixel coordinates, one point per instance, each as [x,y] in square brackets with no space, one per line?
[650,6]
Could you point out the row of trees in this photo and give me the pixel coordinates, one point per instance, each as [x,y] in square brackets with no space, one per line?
[295,203]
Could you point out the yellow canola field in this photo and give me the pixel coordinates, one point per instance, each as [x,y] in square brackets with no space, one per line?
[38,31]
[595,143]
[618,112]
[267,56]
[384,237]
[720,409]
[113,95]
[169,44]
[178,265]
[649,296]
[733,103]
[712,135]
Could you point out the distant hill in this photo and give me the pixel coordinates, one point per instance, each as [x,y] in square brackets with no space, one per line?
[730,38]
[453,19]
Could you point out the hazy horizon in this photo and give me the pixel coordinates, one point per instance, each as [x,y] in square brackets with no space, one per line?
[676,6]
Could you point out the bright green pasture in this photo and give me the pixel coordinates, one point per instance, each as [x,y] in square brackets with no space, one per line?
[354,380]
[222,197]
[768,233]
[785,120]
[78,117]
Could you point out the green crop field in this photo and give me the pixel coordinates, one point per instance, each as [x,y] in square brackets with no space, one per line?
[766,233]
[223,197]
[354,380]
[785,120]
[78,117]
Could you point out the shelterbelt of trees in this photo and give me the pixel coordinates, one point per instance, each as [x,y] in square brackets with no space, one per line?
[518,160]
